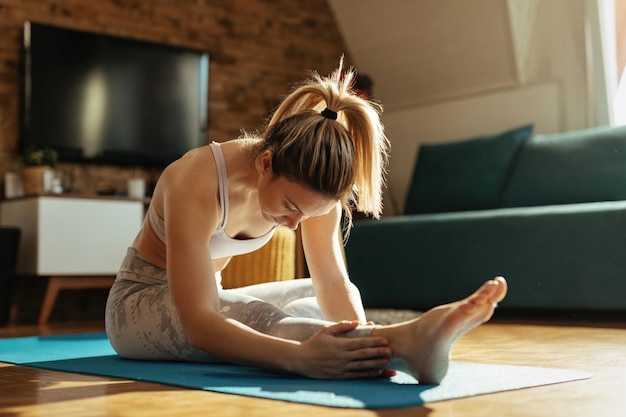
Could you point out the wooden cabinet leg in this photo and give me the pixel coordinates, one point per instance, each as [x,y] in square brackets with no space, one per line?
[48,302]
[55,284]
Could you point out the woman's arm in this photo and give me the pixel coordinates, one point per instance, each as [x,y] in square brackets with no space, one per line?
[338,298]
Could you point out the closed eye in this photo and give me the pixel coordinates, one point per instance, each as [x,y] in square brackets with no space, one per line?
[290,206]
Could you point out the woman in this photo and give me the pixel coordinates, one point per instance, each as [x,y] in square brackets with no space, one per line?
[322,154]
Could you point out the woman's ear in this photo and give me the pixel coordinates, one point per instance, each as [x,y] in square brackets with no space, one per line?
[264,162]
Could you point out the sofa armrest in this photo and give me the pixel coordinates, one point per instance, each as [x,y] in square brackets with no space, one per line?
[553,257]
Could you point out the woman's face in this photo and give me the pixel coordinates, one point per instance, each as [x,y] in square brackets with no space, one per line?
[287,202]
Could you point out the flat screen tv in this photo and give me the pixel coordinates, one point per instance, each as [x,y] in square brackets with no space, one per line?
[105,99]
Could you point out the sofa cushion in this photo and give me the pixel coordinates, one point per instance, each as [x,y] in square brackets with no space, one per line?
[464,175]
[573,167]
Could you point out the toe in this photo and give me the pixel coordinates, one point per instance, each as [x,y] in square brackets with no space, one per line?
[502,289]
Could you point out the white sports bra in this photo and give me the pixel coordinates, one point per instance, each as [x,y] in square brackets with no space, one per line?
[221,245]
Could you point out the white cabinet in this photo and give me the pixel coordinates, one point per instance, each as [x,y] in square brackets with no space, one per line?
[72,236]
[77,242]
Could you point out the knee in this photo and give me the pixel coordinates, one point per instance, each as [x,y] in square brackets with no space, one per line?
[261,316]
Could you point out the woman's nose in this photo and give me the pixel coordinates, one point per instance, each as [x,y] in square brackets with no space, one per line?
[293,220]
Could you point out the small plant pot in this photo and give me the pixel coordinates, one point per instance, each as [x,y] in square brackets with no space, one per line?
[37,180]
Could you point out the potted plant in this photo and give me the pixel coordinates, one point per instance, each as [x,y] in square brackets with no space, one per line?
[38,170]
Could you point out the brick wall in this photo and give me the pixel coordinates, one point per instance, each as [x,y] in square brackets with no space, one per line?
[258,48]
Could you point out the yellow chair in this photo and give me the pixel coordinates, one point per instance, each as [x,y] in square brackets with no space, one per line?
[276,261]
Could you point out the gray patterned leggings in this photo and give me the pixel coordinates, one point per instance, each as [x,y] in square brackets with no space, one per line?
[142,322]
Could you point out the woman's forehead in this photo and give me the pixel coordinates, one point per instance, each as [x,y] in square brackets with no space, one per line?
[307,201]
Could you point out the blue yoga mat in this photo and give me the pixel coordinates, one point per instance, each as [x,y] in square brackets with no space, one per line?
[92,354]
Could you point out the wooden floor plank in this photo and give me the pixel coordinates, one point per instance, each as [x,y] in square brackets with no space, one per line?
[599,348]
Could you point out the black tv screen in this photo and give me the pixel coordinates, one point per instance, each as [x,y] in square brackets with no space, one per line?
[112,100]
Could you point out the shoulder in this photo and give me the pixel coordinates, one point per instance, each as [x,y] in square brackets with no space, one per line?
[188,183]
[192,169]
[239,150]
[186,196]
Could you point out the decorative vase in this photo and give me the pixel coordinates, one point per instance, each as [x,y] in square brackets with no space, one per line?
[37,180]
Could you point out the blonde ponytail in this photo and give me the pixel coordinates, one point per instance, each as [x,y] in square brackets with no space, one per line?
[344,158]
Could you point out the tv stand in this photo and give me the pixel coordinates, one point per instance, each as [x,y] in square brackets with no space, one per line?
[79,242]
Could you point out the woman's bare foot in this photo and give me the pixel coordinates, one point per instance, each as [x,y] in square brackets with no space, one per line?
[424,344]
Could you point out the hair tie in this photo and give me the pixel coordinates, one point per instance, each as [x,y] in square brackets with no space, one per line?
[329,114]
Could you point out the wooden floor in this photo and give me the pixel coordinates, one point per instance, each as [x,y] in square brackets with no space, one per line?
[597,347]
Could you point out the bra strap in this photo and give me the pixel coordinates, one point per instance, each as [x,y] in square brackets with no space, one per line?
[222,180]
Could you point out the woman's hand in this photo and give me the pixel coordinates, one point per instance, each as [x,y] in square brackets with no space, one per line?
[329,355]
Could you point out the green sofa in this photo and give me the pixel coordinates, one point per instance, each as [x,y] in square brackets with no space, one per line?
[548,212]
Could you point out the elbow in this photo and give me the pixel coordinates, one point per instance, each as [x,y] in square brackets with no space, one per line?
[195,339]
[199,330]
[191,334]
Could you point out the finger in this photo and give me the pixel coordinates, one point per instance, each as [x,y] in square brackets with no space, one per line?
[383,353]
[340,328]
[377,373]
[364,342]
[374,367]
[388,373]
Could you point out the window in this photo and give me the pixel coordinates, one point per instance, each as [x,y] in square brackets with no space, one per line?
[619,100]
